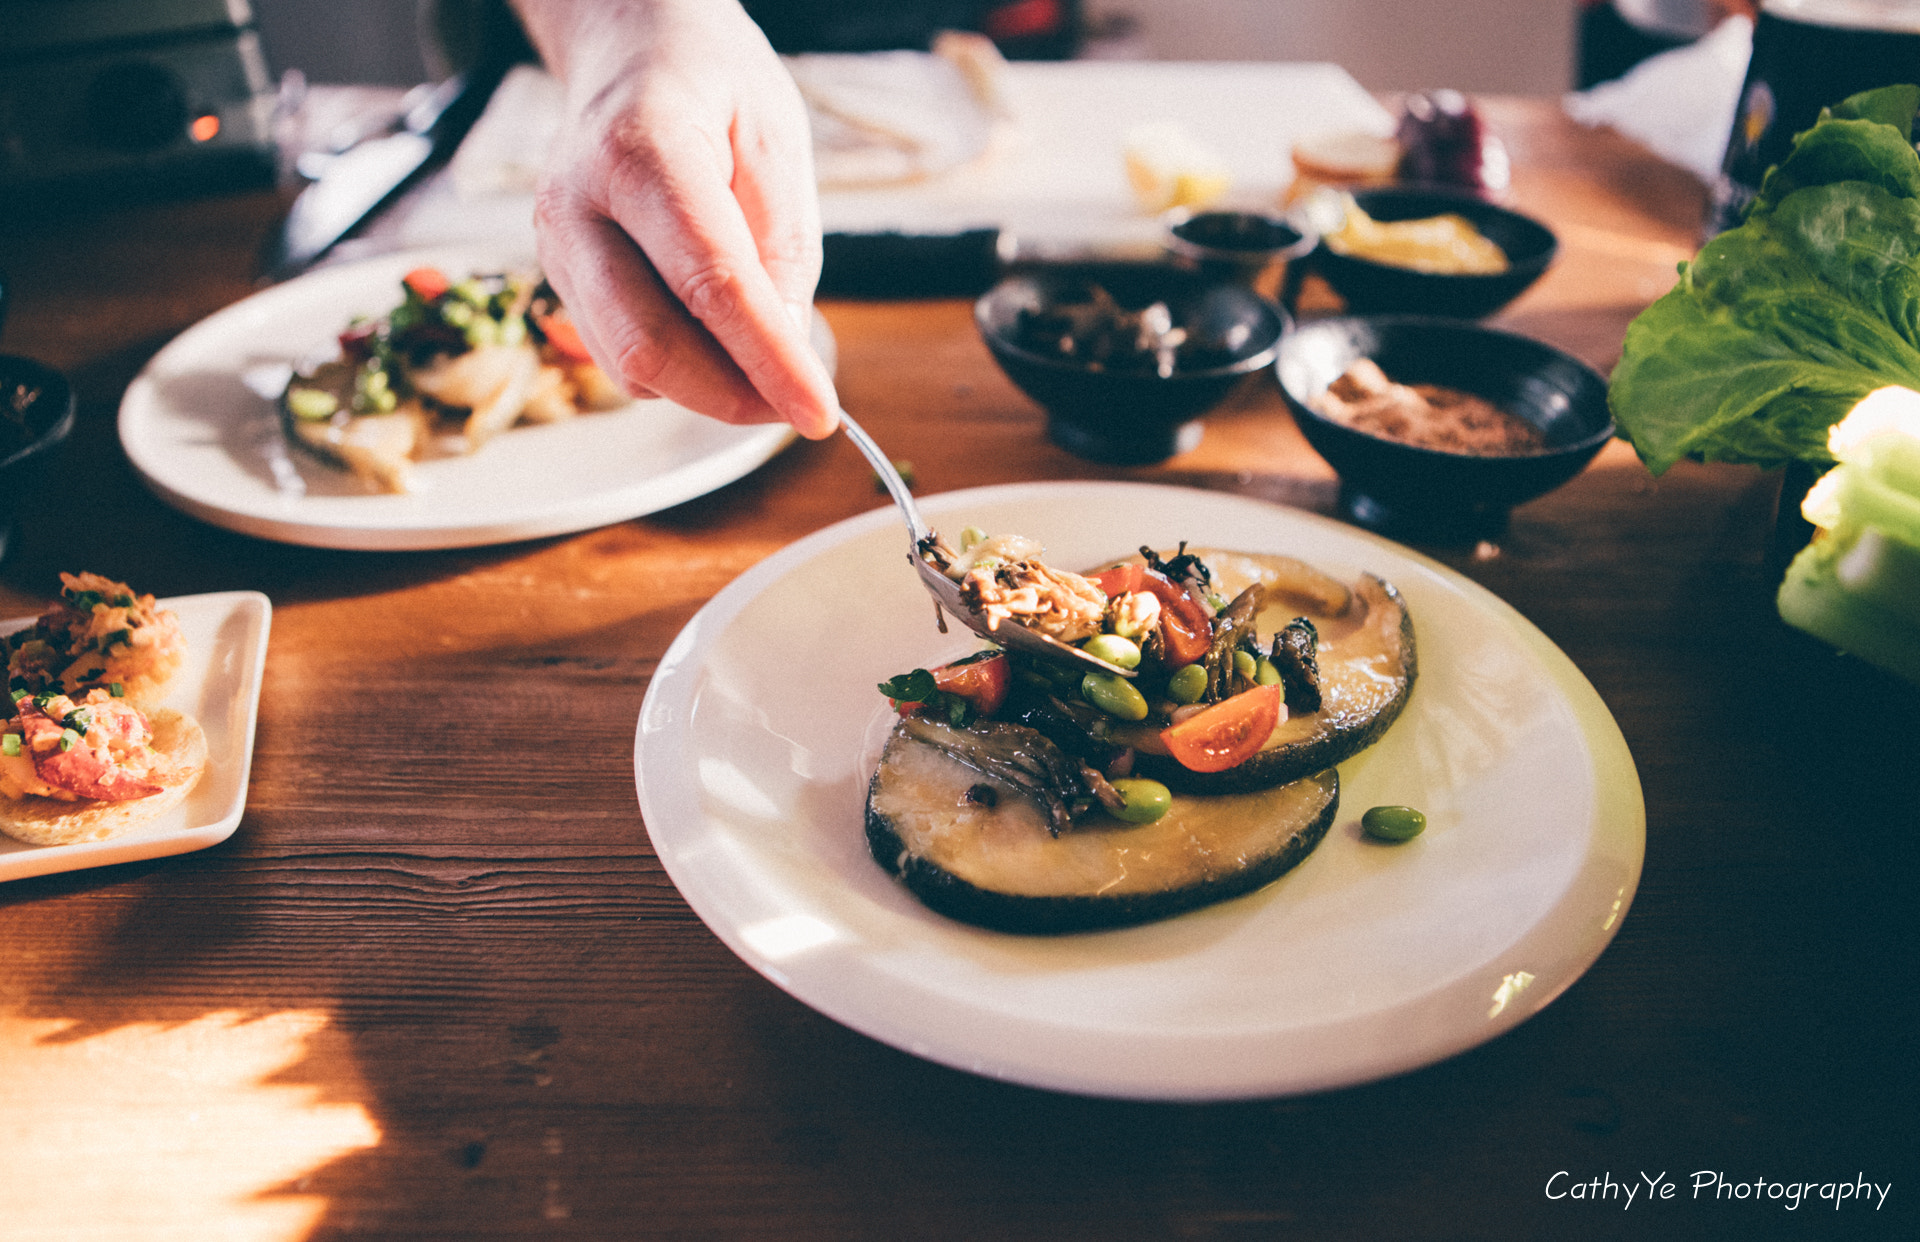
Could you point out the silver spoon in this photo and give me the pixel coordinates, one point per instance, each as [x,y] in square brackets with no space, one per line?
[945,591]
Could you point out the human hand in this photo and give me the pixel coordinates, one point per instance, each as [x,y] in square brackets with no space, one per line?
[677,216]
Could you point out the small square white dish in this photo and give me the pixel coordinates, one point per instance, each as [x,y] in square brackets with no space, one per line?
[219,686]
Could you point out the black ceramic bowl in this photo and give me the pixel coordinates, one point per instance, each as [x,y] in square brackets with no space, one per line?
[36,415]
[1234,245]
[1370,288]
[1427,493]
[1129,414]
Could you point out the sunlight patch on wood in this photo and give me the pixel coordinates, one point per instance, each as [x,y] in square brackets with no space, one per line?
[155,1131]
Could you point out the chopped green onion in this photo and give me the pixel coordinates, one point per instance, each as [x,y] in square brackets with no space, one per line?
[18,695]
[68,740]
[9,744]
[117,690]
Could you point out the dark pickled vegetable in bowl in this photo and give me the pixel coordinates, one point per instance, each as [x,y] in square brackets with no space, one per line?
[1104,335]
[1126,357]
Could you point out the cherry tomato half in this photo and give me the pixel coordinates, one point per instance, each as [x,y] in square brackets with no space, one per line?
[1120,579]
[1185,623]
[982,682]
[1228,733]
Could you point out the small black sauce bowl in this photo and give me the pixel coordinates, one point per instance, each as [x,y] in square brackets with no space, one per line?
[1370,288]
[36,416]
[1234,245]
[1129,416]
[1424,493]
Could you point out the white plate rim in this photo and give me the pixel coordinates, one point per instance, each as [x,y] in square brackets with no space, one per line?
[143,409]
[230,744]
[1559,948]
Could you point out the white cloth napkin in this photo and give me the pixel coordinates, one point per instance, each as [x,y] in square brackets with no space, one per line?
[1679,104]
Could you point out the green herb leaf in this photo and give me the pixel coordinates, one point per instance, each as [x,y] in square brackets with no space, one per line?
[914,687]
[919,687]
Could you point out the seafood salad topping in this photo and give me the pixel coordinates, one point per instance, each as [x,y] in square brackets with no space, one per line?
[101,635]
[96,749]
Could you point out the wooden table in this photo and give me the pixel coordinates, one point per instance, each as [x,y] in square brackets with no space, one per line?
[438,985]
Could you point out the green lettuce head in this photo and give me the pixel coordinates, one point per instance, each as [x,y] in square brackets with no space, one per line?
[1780,326]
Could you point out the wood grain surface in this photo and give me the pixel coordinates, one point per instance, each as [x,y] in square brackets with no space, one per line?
[438,985]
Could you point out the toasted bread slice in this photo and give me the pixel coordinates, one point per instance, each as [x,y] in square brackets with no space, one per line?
[181,746]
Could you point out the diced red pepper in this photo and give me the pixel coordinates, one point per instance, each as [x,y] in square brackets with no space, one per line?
[427,283]
[563,336]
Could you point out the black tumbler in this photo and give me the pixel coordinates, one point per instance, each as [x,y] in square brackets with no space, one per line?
[1808,55]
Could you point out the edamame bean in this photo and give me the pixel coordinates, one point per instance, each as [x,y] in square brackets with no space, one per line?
[1245,664]
[1187,684]
[1266,674]
[1114,650]
[1146,800]
[1393,823]
[1114,695]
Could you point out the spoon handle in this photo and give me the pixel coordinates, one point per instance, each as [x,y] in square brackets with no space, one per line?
[883,466]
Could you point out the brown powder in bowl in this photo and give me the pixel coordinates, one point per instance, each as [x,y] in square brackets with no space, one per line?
[1426,415]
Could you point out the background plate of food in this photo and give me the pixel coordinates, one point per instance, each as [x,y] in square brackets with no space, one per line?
[217,426]
[217,684]
[1366,959]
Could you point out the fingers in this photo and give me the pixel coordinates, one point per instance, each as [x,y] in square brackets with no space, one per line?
[634,326]
[743,267]
[679,219]
[768,163]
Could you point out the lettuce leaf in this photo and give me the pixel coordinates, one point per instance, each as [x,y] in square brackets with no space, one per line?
[1779,326]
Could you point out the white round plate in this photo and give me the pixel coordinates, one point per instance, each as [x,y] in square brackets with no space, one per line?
[199,423]
[763,723]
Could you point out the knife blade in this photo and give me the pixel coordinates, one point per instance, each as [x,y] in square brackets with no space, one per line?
[358,184]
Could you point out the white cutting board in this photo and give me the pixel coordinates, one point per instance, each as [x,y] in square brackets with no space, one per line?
[1060,176]
[1063,176]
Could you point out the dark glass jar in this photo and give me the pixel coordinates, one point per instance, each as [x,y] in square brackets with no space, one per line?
[1808,55]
